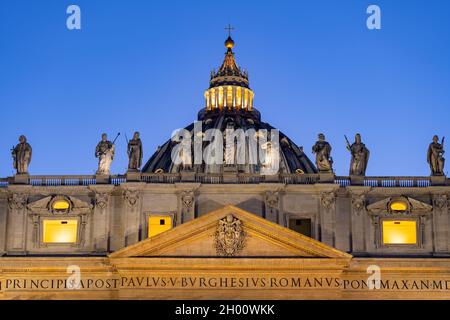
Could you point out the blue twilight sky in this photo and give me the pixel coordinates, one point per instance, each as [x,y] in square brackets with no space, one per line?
[143,65]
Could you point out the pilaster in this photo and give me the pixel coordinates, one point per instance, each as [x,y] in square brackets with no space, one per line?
[186,193]
[440,223]
[358,218]
[17,219]
[131,193]
[101,217]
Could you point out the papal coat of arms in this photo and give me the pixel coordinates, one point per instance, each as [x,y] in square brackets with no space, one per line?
[229,236]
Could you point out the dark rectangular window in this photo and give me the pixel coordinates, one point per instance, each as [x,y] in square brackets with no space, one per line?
[302,226]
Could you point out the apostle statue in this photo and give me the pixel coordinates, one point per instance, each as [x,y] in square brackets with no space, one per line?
[322,149]
[435,157]
[134,153]
[229,145]
[105,153]
[360,156]
[21,154]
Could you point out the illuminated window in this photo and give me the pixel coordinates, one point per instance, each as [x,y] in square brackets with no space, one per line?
[229,93]
[238,97]
[158,224]
[60,231]
[220,97]
[399,232]
[61,205]
[398,206]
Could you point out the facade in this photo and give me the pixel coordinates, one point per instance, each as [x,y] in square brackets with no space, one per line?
[183,229]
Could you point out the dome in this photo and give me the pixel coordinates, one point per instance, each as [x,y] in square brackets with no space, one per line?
[229,105]
[292,158]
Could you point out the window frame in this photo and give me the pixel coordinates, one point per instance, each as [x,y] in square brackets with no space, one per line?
[145,230]
[43,244]
[311,217]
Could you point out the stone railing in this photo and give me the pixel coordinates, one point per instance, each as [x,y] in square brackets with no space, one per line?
[66,180]
[240,178]
[402,182]
[4,182]
[160,177]
[51,181]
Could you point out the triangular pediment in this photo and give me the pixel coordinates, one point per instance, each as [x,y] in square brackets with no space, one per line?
[257,237]
[413,206]
[44,205]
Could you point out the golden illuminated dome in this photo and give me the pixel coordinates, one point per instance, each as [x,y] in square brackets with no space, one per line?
[229,87]
[229,43]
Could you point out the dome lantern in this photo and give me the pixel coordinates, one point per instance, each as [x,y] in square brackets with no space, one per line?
[229,86]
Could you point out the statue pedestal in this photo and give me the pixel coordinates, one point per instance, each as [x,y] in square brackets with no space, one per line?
[230,177]
[133,176]
[438,180]
[357,180]
[102,179]
[326,177]
[22,178]
[188,176]
[230,174]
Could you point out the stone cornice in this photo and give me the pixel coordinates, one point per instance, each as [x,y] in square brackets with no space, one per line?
[188,186]
[358,190]
[102,188]
[135,186]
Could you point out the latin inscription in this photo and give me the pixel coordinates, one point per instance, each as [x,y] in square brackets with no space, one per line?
[164,282]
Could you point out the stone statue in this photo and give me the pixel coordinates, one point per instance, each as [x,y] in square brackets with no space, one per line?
[435,157]
[105,153]
[135,153]
[360,156]
[186,154]
[229,145]
[22,155]
[322,149]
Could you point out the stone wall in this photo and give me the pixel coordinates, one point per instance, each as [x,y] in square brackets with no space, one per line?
[118,214]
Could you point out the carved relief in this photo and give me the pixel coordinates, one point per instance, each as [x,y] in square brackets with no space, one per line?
[17,201]
[448,204]
[187,199]
[272,199]
[131,197]
[328,200]
[439,201]
[101,200]
[229,237]
[358,203]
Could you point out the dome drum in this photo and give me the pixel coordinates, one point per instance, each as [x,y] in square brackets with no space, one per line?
[229,97]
